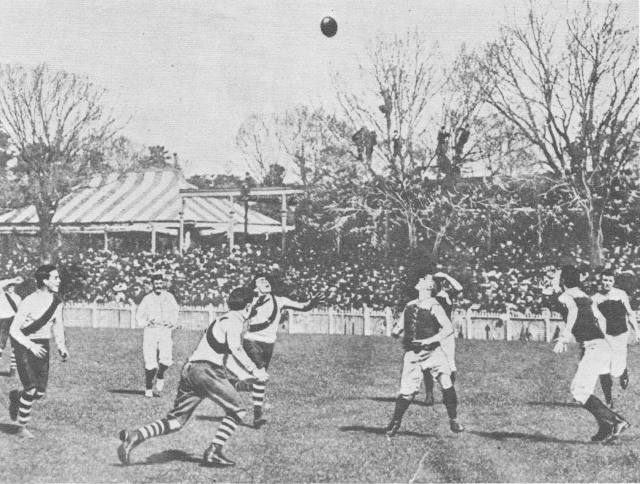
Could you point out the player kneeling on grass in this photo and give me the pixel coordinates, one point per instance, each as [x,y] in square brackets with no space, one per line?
[425,325]
[206,375]
[587,324]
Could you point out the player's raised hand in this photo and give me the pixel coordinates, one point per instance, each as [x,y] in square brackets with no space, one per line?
[560,347]
[261,375]
[315,300]
[38,350]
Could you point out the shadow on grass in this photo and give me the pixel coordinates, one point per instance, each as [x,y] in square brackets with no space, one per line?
[9,429]
[501,436]
[127,392]
[209,418]
[380,431]
[555,404]
[167,456]
[418,402]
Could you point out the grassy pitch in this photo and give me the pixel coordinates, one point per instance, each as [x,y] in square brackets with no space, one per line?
[327,403]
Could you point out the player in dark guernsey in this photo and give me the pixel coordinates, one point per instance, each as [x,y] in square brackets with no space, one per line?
[613,303]
[213,371]
[445,299]
[425,325]
[587,325]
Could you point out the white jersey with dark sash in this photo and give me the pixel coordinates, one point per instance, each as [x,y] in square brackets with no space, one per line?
[263,326]
[215,346]
[39,315]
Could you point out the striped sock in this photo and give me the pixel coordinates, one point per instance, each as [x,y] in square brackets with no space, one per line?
[227,427]
[13,360]
[159,427]
[24,411]
[258,394]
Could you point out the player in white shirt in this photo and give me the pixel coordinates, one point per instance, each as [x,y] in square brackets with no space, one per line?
[38,316]
[212,372]
[9,302]
[158,313]
[262,332]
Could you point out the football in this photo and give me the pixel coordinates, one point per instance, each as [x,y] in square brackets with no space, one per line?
[329,26]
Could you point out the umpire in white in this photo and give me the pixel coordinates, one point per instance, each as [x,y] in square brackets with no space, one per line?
[158,313]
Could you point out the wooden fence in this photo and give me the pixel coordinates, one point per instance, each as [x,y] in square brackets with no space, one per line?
[467,323]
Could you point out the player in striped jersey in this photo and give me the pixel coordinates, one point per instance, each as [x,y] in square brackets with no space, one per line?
[588,326]
[613,303]
[260,338]
[9,302]
[39,315]
[425,325]
[212,371]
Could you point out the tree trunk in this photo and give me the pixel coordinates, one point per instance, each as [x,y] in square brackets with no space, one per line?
[48,241]
[436,245]
[412,234]
[594,218]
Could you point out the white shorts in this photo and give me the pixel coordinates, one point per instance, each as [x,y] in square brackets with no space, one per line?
[412,367]
[449,347]
[618,353]
[157,346]
[596,361]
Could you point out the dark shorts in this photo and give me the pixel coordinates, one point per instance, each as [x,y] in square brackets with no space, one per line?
[200,380]
[259,352]
[33,371]
[5,325]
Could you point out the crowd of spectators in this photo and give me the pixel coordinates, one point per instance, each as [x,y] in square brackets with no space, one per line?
[510,278]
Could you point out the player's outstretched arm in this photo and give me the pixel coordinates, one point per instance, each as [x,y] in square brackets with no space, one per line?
[314,301]
[455,284]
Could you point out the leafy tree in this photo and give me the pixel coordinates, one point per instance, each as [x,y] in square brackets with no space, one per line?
[573,94]
[58,128]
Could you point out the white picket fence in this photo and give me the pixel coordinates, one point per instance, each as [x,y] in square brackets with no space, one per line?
[467,324]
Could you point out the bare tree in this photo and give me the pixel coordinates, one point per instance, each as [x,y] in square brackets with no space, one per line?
[258,141]
[402,76]
[572,91]
[58,127]
[316,144]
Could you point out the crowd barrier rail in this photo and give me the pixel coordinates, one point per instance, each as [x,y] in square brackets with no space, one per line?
[468,324]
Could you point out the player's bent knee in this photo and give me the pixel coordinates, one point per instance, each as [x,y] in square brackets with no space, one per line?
[445,381]
[173,424]
[581,397]
[238,416]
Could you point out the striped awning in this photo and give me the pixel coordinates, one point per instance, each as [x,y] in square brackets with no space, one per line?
[140,201]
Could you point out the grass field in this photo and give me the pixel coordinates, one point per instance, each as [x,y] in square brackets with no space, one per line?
[329,399]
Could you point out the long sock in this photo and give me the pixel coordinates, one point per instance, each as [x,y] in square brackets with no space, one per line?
[428,380]
[257,395]
[607,384]
[227,427]
[24,412]
[149,375]
[14,366]
[402,404]
[600,411]
[450,400]
[159,427]
[161,371]
[453,377]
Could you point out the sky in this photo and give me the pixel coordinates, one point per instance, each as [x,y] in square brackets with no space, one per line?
[186,74]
